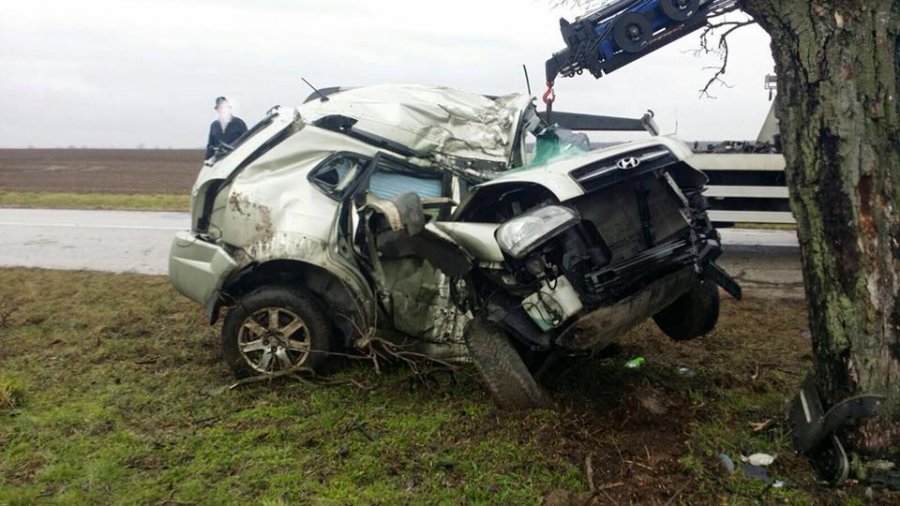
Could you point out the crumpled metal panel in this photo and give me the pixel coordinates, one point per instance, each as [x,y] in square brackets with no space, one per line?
[430,119]
[418,296]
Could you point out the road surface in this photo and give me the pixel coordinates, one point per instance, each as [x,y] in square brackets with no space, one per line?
[113,241]
[138,241]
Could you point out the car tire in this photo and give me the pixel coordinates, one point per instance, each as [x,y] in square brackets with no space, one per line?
[693,314]
[680,10]
[632,31]
[273,329]
[501,368]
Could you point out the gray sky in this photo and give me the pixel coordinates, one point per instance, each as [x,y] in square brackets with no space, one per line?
[118,73]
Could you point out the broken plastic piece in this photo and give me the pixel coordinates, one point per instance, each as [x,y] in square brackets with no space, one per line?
[889,479]
[830,460]
[810,425]
[757,472]
[634,363]
[759,459]
[812,428]
[880,465]
[727,463]
[723,279]
[686,372]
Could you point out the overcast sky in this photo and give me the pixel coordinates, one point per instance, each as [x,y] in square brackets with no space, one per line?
[126,72]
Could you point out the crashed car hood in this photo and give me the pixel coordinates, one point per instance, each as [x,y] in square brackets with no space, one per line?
[555,175]
[431,120]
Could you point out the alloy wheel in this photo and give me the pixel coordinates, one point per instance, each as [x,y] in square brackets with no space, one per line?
[274,339]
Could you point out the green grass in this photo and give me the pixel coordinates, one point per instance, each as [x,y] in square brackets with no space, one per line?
[137,202]
[10,394]
[115,378]
[113,369]
[767,226]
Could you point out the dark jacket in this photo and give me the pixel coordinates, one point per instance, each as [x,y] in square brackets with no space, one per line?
[234,129]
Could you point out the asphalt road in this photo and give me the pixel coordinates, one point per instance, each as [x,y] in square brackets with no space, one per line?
[113,241]
[137,241]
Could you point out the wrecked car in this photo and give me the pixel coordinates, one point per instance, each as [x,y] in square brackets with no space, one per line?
[424,217]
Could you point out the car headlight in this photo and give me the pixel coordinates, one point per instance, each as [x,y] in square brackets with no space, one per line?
[520,235]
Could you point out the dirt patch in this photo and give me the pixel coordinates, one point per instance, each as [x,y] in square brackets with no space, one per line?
[653,434]
[125,171]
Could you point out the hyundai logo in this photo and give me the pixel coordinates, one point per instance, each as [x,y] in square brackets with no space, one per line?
[628,163]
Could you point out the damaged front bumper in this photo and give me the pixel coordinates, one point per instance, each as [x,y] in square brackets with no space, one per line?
[197,268]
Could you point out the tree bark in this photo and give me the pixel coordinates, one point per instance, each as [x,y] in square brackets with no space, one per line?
[837,63]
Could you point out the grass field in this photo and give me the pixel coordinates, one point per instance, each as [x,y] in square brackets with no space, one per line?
[115,171]
[61,200]
[127,179]
[110,393]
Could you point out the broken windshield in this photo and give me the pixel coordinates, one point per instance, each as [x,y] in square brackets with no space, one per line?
[555,143]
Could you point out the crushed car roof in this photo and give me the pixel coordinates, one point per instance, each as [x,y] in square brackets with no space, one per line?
[429,120]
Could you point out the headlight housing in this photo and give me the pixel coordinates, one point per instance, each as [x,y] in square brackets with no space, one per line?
[520,235]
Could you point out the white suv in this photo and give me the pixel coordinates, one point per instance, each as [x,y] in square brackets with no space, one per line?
[420,215]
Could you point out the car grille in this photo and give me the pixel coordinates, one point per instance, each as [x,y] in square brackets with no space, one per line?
[631,208]
[610,170]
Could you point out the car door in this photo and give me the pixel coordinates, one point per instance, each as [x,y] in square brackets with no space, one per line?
[407,260]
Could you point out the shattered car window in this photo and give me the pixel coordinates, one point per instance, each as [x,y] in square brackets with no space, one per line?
[555,143]
[336,173]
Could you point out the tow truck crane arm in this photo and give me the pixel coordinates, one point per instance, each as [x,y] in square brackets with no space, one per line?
[623,31]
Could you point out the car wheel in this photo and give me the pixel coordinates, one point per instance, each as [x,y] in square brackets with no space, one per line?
[275,329]
[693,314]
[680,10]
[632,31]
[501,368]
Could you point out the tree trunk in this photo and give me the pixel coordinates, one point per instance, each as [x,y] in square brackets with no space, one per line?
[837,63]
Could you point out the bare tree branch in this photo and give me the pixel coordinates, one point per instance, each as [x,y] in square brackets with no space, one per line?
[720,48]
[586,4]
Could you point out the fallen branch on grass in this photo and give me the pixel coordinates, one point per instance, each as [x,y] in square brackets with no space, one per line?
[364,430]
[421,366]
[371,348]
[589,473]
[6,311]
[293,371]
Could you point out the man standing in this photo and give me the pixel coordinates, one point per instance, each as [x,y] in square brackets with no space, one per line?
[225,130]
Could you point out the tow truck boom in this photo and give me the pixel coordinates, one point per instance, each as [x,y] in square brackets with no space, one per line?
[623,31]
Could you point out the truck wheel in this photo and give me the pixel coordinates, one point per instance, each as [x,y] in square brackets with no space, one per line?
[693,314]
[501,368]
[680,10]
[275,329]
[631,32]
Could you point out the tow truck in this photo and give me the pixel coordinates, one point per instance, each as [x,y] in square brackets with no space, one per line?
[622,31]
